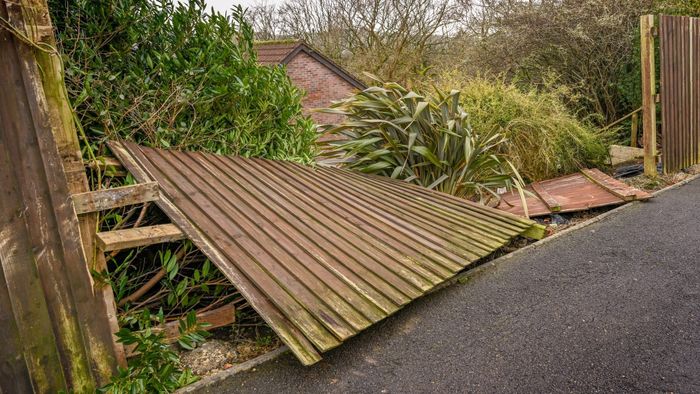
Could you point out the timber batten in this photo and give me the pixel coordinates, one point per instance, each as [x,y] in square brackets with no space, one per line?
[320,254]
[106,199]
[138,237]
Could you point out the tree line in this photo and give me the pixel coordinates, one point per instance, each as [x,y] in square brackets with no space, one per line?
[590,46]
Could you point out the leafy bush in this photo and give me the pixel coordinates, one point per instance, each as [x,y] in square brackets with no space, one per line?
[544,139]
[426,140]
[156,367]
[171,74]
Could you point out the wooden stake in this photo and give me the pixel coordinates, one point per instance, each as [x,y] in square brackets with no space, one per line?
[646,27]
[635,130]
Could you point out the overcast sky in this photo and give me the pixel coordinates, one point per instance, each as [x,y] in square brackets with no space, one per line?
[225,5]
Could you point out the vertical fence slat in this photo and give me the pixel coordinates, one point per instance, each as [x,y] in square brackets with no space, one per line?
[28,306]
[14,375]
[680,91]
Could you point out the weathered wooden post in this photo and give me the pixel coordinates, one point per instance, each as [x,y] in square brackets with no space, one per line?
[54,325]
[646,27]
[635,130]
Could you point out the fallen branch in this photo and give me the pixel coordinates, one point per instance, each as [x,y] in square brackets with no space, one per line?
[151,282]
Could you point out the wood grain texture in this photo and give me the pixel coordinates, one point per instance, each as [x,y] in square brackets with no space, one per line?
[106,199]
[574,192]
[105,289]
[648,65]
[65,339]
[614,186]
[90,307]
[320,253]
[679,42]
[548,199]
[291,336]
[33,260]
[22,302]
[139,236]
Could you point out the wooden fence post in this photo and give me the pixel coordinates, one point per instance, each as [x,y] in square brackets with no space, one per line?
[54,317]
[103,352]
[646,27]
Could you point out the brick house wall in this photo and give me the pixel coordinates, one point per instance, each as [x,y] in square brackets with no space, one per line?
[321,84]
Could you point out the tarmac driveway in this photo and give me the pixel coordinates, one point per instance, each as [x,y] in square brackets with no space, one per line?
[614,306]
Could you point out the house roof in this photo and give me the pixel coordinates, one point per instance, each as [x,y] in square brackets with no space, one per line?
[282,52]
[320,253]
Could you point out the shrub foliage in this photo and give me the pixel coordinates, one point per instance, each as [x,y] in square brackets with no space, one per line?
[171,74]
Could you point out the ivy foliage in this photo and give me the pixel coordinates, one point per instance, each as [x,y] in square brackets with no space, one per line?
[174,74]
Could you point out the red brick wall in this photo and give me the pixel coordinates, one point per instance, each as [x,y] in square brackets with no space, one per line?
[322,86]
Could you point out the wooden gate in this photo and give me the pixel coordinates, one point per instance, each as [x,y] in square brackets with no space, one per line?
[679,50]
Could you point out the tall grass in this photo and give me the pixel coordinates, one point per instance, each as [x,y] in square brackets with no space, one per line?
[543,138]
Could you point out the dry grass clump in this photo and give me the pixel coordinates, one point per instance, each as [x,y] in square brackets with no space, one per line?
[544,139]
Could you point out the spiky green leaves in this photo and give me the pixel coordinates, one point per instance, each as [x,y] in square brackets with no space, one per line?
[425,139]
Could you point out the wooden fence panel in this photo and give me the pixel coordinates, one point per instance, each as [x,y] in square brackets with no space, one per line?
[55,332]
[679,38]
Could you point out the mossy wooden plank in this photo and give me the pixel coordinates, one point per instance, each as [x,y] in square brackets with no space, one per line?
[69,173]
[14,375]
[65,340]
[39,352]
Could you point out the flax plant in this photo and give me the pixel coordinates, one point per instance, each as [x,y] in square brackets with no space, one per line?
[423,139]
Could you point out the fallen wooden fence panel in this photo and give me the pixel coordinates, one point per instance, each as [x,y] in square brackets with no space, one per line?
[591,188]
[320,253]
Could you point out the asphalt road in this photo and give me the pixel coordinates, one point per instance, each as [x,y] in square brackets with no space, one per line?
[614,306]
